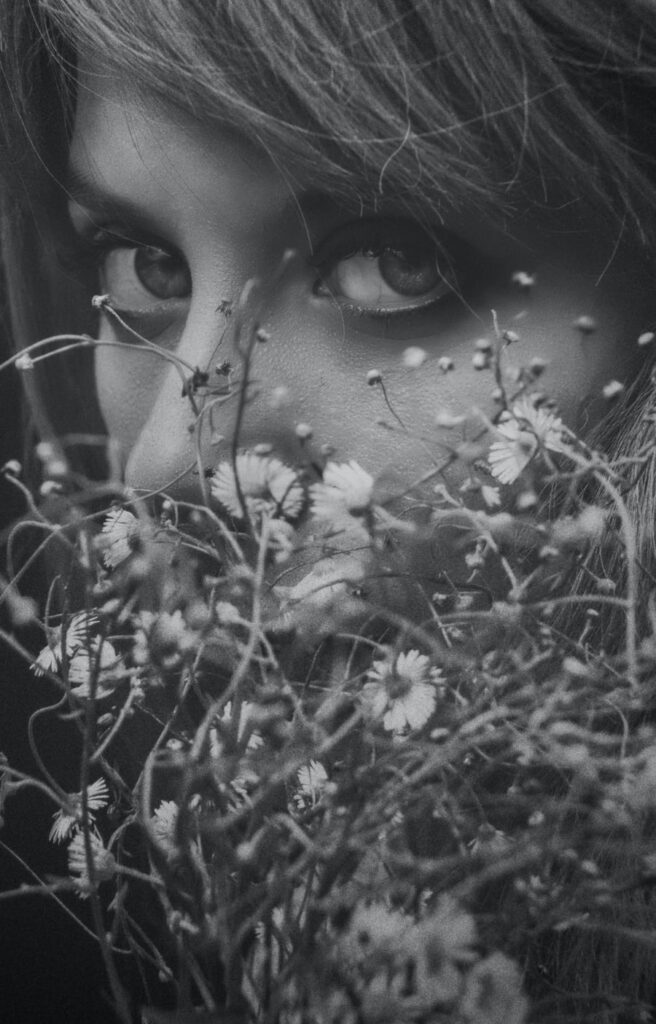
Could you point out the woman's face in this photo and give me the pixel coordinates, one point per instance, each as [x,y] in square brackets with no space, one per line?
[182,216]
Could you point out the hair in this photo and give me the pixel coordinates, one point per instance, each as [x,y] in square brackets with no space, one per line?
[482,105]
[487,105]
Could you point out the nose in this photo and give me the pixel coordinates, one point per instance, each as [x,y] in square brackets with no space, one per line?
[250,382]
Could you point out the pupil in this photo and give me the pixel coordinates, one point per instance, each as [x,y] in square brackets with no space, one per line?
[162,274]
[406,276]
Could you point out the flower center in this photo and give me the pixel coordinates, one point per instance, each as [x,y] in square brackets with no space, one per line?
[398,686]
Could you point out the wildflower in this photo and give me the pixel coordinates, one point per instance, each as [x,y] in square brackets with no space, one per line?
[49,487]
[448,420]
[585,324]
[414,357]
[346,488]
[97,663]
[279,398]
[165,638]
[408,969]
[119,532]
[483,345]
[581,531]
[104,864]
[303,431]
[526,501]
[522,434]
[445,363]
[613,389]
[510,337]
[398,690]
[441,944]
[22,610]
[163,824]
[267,486]
[523,280]
[476,559]
[100,301]
[374,377]
[12,468]
[247,713]
[370,926]
[489,841]
[493,993]
[79,631]
[69,818]
[227,613]
[646,338]
[280,538]
[312,779]
[480,360]
[24,362]
[491,496]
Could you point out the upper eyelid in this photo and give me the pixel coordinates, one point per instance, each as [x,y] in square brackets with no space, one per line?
[333,247]
[89,224]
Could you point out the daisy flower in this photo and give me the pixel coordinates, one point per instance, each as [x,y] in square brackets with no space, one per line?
[99,658]
[523,433]
[491,496]
[68,819]
[163,824]
[280,538]
[103,862]
[311,779]
[402,691]
[227,614]
[414,357]
[346,489]
[79,630]
[119,532]
[246,713]
[440,946]
[267,486]
[493,991]
[163,639]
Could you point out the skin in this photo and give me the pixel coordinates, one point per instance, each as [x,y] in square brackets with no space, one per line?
[231,214]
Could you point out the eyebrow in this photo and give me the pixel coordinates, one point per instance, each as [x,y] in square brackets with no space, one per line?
[82,189]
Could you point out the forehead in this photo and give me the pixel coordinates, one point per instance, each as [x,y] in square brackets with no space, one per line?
[129,147]
[132,152]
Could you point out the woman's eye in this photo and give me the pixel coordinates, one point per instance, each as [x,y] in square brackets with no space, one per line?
[135,276]
[383,267]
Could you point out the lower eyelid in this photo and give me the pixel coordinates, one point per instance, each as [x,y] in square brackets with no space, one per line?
[443,293]
[150,323]
[393,312]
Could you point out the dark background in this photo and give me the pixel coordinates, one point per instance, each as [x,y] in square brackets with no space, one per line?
[50,972]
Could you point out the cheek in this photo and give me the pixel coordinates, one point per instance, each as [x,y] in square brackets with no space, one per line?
[581,363]
[128,383]
[314,370]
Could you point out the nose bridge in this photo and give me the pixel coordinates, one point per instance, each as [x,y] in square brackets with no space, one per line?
[206,343]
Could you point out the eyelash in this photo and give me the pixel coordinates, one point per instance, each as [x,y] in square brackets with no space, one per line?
[375,238]
[89,251]
[368,237]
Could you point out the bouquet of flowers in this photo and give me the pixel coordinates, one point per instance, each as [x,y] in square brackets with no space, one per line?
[351,755]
